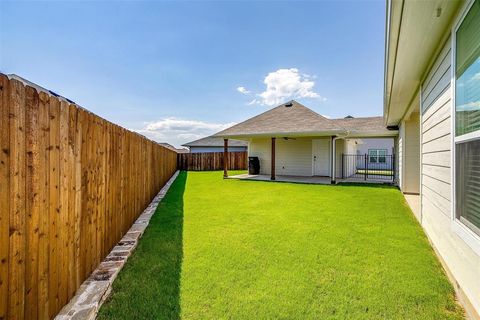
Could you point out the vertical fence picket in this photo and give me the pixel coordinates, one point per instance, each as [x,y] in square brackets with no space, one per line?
[4,194]
[54,204]
[44,221]
[209,161]
[17,250]
[71,185]
[32,198]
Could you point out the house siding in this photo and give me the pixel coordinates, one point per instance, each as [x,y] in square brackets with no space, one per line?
[261,148]
[216,149]
[400,145]
[411,182]
[436,135]
[436,189]
[292,156]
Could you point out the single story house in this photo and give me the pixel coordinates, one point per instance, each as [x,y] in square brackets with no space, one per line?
[215,144]
[169,146]
[432,93]
[293,140]
[377,151]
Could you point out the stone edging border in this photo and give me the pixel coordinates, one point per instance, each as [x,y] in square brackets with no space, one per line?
[94,291]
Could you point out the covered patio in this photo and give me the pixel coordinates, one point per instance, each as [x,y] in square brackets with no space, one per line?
[305,179]
[295,144]
[281,178]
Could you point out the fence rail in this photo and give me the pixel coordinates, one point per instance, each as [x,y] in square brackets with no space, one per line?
[209,161]
[368,167]
[71,185]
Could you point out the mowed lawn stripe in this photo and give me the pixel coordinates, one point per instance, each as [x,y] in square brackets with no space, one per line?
[246,249]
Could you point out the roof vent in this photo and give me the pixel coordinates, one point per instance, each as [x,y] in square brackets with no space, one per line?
[288,104]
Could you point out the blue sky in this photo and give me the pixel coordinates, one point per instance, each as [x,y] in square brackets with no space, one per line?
[176,71]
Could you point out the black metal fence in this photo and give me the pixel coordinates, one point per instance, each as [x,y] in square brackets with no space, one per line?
[368,167]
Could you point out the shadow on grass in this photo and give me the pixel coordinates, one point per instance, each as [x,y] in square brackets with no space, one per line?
[368,184]
[149,285]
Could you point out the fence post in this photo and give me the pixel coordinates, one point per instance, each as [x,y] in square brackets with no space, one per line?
[393,167]
[366,167]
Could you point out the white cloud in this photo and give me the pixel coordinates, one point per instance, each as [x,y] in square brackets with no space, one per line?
[475,77]
[178,131]
[243,90]
[470,106]
[286,84]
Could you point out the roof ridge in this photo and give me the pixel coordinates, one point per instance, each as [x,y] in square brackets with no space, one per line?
[295,104]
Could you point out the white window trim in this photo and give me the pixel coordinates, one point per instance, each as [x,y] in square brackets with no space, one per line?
[377,155]
[464,232]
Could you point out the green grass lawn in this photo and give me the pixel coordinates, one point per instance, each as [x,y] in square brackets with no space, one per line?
[231,249]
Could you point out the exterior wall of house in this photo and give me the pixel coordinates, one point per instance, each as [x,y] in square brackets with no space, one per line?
[350,148]
[366,144]
[436,187]
[216,149]
[261,148]
[339,149]
[400,154]
[292,156]
[411,155]
[374,143]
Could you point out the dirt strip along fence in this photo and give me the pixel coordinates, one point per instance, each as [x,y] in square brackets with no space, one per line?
[71,185]
[209,161]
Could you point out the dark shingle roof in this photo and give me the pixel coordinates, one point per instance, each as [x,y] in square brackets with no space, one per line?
[366,123]
[294,118]
[215,142]
[291,117]
[169,146]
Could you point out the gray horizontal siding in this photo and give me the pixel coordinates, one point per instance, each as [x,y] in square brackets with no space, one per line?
[436,135]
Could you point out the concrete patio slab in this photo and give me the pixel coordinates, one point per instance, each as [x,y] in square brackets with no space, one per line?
[279,178]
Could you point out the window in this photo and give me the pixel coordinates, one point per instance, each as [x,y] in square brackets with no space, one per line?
[467,120]
[377,155]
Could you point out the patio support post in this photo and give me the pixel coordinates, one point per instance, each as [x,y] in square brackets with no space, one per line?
[272,177]
[225,158]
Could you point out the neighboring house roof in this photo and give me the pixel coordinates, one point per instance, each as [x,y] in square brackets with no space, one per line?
[169,146]
[294,119]
[364,124]
[215,142]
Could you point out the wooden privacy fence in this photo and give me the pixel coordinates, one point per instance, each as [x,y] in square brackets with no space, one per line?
[71,185]
[207,161]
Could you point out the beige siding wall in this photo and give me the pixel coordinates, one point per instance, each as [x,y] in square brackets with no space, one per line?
[261,148]
[436,130]
[411,154]
[436,135]
[293,156]
[401,160]
[350,149]
[339,149]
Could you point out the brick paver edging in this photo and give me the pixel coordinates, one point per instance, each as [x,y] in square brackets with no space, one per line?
[94,291]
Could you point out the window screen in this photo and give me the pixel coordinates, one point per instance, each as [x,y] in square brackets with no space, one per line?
[467,120]
[468,184]
[382,156]
[467,96]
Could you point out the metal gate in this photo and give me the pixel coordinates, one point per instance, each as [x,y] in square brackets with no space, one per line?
[368,167]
